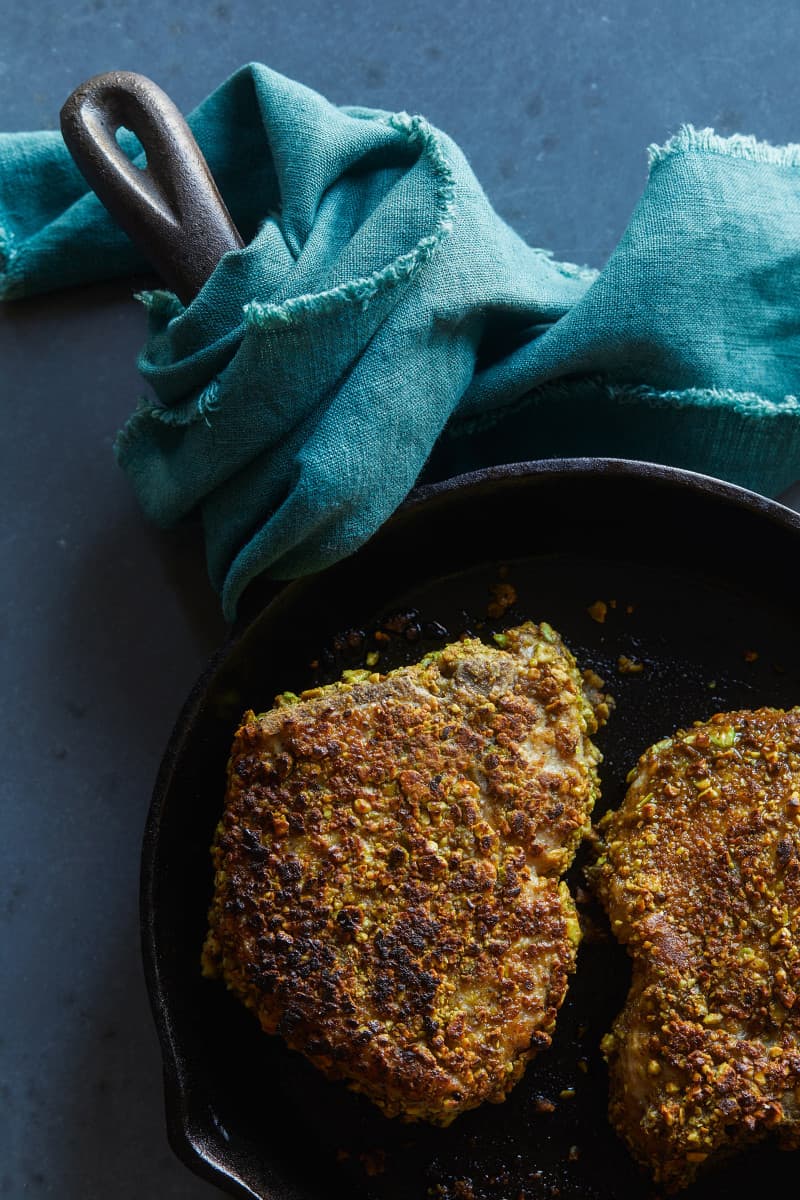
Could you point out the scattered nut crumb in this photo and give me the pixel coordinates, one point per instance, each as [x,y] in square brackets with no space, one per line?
[503,596]
[372,658]
[543,1105]
[598,611]
[567,1094]
[373,1161]
[750,655]
[629,608]
[592,931]
[592,679]
[396,623]
[461,1189]
[574,1154]
[628,666]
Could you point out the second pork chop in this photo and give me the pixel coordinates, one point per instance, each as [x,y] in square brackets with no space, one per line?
[700,874]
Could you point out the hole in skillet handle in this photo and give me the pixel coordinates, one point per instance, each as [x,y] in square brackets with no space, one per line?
[170,207]
[121,136]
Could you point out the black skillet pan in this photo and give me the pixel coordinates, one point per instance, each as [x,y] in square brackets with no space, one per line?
[700,583]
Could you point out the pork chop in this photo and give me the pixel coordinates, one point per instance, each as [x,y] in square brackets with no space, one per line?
[700,874]
[388,893]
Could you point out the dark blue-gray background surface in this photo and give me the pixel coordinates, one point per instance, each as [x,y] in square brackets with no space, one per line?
[104,623]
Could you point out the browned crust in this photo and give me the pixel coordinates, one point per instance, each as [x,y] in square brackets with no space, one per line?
[700,874]
[387,894]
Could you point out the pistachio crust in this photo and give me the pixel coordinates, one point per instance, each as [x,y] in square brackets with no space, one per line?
[387,892]
[700,874]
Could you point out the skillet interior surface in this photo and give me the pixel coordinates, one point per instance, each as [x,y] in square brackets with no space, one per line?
[703,576]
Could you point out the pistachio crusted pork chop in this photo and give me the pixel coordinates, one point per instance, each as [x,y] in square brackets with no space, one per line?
[387,888]
[700,875]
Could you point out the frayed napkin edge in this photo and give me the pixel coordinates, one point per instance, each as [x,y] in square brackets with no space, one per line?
[744,404]
[739,145]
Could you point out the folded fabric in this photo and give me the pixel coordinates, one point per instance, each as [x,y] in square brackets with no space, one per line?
[382,317]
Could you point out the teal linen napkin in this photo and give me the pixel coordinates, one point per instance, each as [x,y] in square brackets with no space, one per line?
[382,317]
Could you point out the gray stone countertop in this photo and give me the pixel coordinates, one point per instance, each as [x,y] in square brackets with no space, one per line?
[104,622]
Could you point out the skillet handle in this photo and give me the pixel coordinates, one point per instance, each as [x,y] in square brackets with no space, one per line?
[171,209]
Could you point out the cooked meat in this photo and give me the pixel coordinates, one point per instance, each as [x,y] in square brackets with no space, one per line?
[700,874]
[387,869]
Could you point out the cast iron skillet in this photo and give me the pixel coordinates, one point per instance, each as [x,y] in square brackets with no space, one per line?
[700,579]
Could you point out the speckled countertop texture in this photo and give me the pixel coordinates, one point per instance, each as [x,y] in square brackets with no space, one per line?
[104,623]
